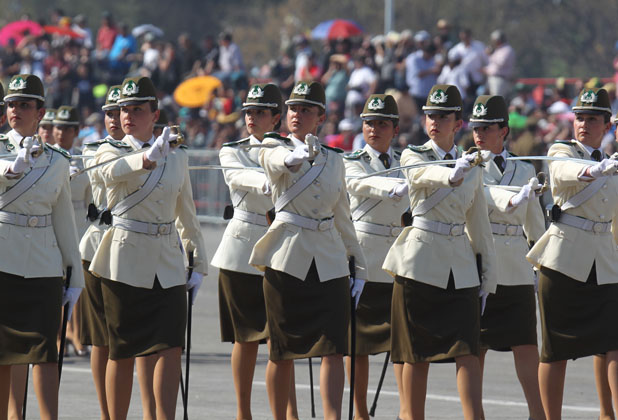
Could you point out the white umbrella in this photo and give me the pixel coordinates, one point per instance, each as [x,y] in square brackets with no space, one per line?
[146,28]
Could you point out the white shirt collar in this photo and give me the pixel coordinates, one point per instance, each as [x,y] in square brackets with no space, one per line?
[295,140]
[375,153]
[592,149]
[503,153]
[138,143]
[441,153]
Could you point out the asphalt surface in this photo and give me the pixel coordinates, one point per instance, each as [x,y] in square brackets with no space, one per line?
[212,390]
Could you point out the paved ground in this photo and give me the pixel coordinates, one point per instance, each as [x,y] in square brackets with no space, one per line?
[212,391]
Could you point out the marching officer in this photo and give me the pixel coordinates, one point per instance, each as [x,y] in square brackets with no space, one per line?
[66,129]
[508,322]
[93,328]
[241,295]
[46,126]
[576,257]
[377,204]
[434,263]
[140,258]
[304,254]
[37,226]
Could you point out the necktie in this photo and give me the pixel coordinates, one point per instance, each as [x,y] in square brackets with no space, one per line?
[385,159]
[596,155]
[448,156]
[499,160]
[145,146]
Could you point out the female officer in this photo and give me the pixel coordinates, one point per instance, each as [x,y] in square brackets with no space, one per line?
[140,258]
[305,254]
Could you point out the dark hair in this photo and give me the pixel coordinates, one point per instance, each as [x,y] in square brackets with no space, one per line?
[154,105]
[608,117]
[503,124]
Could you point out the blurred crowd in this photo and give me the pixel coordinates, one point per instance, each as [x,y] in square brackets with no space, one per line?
[77,63]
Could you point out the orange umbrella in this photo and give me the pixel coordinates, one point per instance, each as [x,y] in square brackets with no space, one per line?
[196,91]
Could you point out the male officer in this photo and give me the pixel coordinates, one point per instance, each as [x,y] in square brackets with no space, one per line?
[576,257]
[435,312]
[39,242]
[377,204]
[509,318]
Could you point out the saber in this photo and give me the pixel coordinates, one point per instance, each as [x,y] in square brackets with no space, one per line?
[81,171]
[258,146]
[250,168]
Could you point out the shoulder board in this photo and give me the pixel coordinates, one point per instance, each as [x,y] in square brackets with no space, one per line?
[397,153]
[58,149]
[276,136]
[235,143]
[419,149]
[514,155]
[354,155]
[94,143]
[567,142]
[183,146]
[119,144]
[334,149]
[4,137]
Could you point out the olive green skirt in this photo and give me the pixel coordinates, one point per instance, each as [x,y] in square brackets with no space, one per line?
[30,311]
[430,324]
[577,319]
[242,314]
[509,319]
[306,318]
[92,328]
[373,319]
[143,321]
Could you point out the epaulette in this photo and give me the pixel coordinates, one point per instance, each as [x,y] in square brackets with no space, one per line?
[118,144]
[397,153]
[183,146]
[94,143]
[235,143]
[356,155]
[419,149]
[276,136]
[4,137]
[567,142]
[58,149]
[334,149]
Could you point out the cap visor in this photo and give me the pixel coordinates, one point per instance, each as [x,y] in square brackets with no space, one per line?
[474,124]
[132,102]
[376,117]
[438,111]
[590,111]
[304,102]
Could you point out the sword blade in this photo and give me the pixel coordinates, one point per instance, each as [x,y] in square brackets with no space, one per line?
[90,168]
[206,167]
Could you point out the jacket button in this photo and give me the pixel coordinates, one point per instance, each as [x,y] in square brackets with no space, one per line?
[159,218]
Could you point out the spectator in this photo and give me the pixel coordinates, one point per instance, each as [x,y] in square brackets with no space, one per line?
[335,81]
[473,59]
[105,36]
[119,55]
[421,70]
[501,67]
[362,83]
[80,26]
[230,59]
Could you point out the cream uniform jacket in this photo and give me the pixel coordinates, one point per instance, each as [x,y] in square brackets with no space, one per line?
[92,237]
[289,248]
[136,258]
[239,237]
[40,251]
[384,210]
[80,194]
[429,257]
[569,250]
[511,251]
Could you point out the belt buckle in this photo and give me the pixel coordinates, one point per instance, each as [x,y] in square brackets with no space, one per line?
[163,229]
[396,230]
[598,227]
[33,221]
[511,230]
[456,230]
[324,225]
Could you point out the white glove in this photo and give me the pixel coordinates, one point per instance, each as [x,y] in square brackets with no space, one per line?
[161,146]
[70,296]
[73,170]
[297,156]
[266,189]
[462,165]
[356,289]
[399,190]
[24,159]
[313,144]
[605,167]
[483,295]
[194,283]
[522,196]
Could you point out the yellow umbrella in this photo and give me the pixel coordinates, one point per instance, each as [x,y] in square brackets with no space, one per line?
[196,91]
